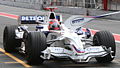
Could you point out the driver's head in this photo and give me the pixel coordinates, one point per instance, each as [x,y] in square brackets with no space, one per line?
[54,25]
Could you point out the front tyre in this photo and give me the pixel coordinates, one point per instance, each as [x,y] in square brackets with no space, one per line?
[34,44]
[9,42]
[105,38]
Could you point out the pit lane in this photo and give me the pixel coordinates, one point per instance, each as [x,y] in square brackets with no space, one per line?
[7,62]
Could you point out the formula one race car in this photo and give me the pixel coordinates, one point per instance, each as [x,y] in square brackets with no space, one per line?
[51,38]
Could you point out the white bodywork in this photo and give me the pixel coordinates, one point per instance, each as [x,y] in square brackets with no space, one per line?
[68,44]
[65,43]
[76,44]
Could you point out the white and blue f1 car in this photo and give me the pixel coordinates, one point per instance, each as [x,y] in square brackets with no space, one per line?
[69,42]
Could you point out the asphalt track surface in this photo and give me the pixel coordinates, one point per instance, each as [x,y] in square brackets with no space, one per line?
[15,60]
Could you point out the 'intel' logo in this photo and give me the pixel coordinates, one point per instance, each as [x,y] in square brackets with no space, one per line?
[77,20]
[32,18]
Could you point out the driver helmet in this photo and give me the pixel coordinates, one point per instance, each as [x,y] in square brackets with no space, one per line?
[54,25]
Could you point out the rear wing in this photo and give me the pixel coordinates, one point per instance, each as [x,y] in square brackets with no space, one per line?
[31,19]
[51,8]
[36,19]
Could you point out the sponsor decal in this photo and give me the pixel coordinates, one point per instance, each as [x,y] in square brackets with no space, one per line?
[93,49]
[32,18]
[77,21]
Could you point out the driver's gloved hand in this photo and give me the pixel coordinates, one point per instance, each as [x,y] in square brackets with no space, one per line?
[88,33]
[79,31]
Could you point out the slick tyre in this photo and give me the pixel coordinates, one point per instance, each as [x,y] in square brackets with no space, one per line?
[105,38]
[9,42]
[34,44]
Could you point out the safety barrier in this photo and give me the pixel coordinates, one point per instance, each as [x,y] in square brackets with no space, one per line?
[75,3]
[33,4]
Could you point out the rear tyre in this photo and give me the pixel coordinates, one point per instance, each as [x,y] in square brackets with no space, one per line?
[34,44]
[105,38]
[9,42]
